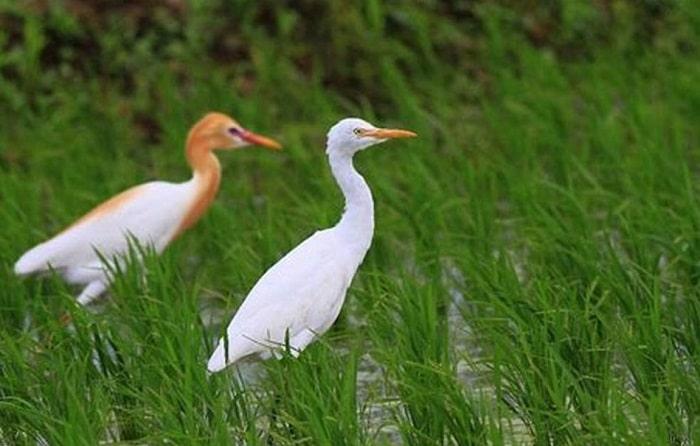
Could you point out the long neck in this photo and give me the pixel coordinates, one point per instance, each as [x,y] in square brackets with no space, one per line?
[358,217]
[205,181]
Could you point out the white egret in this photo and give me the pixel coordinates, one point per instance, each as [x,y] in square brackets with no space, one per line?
[152,214]
[300,297]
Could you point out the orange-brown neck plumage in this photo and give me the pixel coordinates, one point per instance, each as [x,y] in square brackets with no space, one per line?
[201,142]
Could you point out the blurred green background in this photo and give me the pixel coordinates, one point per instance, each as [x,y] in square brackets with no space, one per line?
[362,53]
[534,275]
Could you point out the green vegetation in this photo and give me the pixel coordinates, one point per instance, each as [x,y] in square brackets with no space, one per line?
[535,272]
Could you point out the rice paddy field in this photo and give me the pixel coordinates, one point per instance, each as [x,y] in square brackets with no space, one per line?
[534,277]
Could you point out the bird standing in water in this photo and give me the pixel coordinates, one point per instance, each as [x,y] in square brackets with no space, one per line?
[152,214]
[300,297]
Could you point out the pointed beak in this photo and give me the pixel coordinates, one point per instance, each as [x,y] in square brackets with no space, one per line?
[390,133]
[259,140]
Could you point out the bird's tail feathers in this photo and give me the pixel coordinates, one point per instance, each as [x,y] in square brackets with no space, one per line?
[217,361]
[33,261]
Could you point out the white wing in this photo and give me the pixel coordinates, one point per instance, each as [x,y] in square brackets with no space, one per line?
[150,212]
[297,298]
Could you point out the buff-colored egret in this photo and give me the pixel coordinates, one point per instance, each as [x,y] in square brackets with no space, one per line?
[152,214]
[300,297]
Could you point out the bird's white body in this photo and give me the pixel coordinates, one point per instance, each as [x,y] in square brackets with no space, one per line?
[151,214]
[293,302]
[300,297]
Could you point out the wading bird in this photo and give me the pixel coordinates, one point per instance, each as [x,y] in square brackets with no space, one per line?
[300,297]
[151,214]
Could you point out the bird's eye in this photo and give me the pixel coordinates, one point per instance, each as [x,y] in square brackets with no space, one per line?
[358,131]
[235,131]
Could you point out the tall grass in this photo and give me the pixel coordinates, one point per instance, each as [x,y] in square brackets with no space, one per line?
[533,277]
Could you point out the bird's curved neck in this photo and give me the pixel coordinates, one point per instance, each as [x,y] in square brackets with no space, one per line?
[200,156]
[206,179]
[358,216]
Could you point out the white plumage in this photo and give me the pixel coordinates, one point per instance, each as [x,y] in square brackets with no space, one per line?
[73,253]
[152,214]
[300,297]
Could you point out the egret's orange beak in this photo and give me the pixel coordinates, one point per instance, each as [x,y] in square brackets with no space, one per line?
[259,140]
[389,133]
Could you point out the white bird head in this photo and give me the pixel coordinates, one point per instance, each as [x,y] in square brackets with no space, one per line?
[218,131]
[351,135]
